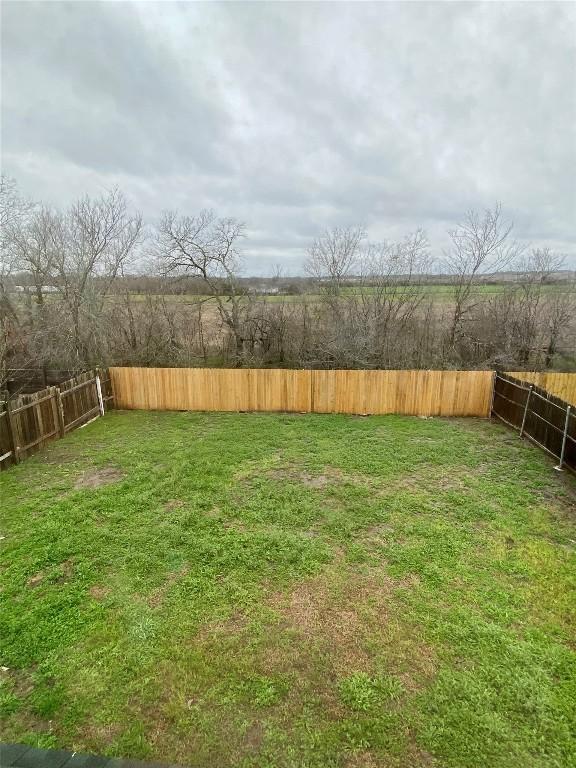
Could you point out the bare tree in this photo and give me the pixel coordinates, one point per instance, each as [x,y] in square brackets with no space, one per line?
[92,242]
[34,244]
[560,320]
[530,301]
[480,244]
[208,247]
[332,256]
[197,309]
[14,213]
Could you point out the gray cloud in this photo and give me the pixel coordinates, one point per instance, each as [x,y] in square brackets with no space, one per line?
[295,116]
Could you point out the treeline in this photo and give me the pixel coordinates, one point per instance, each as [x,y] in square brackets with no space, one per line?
[93,285]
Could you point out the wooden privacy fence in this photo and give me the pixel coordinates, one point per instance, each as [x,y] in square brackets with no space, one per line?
[543,418]
[562,385]
[27,422]
[420,393]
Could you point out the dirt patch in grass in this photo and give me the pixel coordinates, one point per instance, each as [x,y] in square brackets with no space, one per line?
[422,480]
[254,736]
[173,504]
[97,734]
[365,759]
[35,580]
[296,475]
[338,614]
[314,481]
[328,476]
[98,592]
[20,680]
[233,625]
[340,618]
[66,570]
[95,478]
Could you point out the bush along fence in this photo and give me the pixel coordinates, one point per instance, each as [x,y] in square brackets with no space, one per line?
[543,418]
[27,422]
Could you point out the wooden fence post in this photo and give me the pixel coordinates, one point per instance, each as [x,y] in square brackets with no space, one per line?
[12,433]
[39,419]
[60,408]
[493,394]
[55,414]
[99,392]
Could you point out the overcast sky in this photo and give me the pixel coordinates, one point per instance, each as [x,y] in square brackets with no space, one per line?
[297,116]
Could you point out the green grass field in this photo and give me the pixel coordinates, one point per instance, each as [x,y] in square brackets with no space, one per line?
[442,294]
[284,590]
[437,292]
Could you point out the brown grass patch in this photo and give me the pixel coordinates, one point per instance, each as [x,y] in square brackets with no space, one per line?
[21,681]
[173,504]
[98,592]
[365,759]
[96,736]
[37,579]
[66,570]
[254,736]
[95,478]
[328,476]
[338,616]
[233,625]
[295,475]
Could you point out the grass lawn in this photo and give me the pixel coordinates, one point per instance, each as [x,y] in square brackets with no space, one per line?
[286,590]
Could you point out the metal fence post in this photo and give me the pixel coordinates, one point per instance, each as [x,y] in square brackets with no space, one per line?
[564,436]
[526,409]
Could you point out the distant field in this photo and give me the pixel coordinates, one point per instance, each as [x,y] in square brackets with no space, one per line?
[439,292]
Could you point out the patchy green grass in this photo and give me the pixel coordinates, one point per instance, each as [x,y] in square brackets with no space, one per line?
[286,590]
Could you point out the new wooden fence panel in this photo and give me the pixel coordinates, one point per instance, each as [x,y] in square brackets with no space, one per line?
[280,390]
[425,393]
[339,391]
[416,393]
[562,385]
[207,389]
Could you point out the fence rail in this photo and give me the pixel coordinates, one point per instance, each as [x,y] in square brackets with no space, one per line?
[424,393]
[28,421]
[539,415]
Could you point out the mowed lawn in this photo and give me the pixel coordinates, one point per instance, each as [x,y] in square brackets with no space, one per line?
[290,590]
